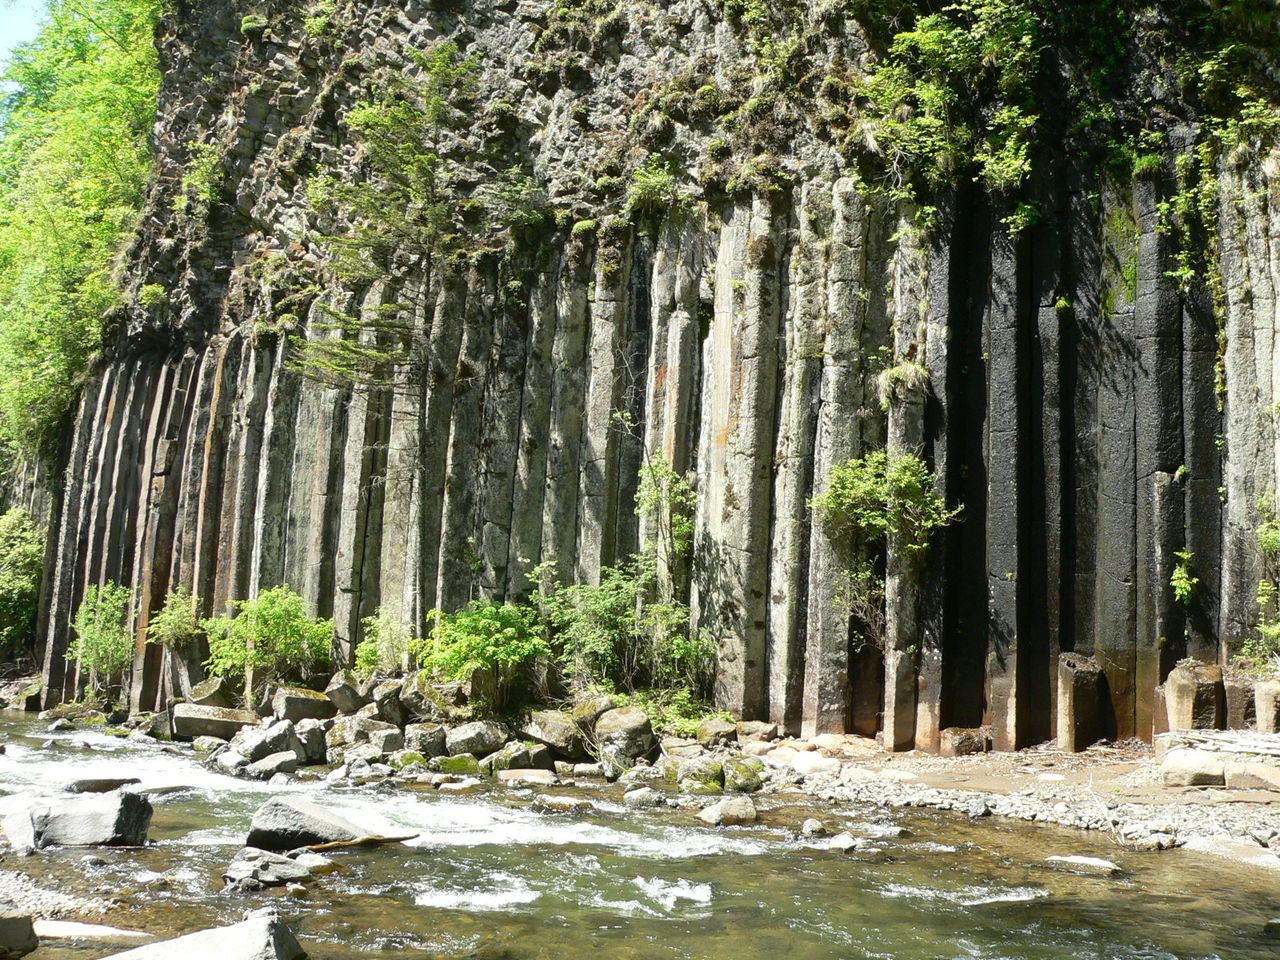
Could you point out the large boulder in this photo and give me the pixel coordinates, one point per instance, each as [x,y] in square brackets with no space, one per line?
[1266,703]
[214,692]
[17,933]
[422,698]
[556,730]
[106,820]
[285,823]
[253,869]
[348,730]
[700,775]
[346,692]
[427,739]
[386,700]
[262,935]
[716,730]
[286,761]
[590,709]
[311,735]
[257,742]
[191,720]
[624,735]
[299,703]
[1083,704]
[730,812]
[1195,697]
[478,738]
[743,774]
[1241,703]
[1182,767]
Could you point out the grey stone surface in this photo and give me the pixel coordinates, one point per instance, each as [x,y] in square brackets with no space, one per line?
[285,823]
[262,935]
[113,820]
[191,720]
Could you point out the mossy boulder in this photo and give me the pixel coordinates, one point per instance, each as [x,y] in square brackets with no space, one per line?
[463,764]
[743,774]
[403,758]
[701,775]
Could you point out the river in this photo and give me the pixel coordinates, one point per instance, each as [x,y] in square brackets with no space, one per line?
[490,878]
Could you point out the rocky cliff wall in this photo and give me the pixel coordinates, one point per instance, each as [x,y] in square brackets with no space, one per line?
[1074,403]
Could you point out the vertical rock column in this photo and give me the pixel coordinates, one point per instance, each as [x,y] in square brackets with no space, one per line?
[737,470]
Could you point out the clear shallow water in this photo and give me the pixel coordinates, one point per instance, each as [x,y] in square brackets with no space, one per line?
[490,878]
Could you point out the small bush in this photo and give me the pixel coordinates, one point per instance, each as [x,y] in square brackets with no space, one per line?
[386,645]
[675,713]
[102,644]
[153,295]
[253,23]
[21,569]
[501,638]
[177,623]
[1182,582]
[653,189]
[884,494]
[271,635]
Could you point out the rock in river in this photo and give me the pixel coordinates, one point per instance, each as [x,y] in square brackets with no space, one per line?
[109,820]
[479,738]
[263,935]
[253,869]
[191,720]
[17,933]
[284,823]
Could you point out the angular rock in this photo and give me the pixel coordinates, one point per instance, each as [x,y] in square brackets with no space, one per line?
[386,700]
[299,703]
[286,761]
[1192,768]
[642,797]
[1266,704]
[17,933]
[422,698]
[1240,701]
[1195,697]
[213,692]
[1083,705]
[729,812]
[262,935]
[743,774]
[624,735]
[550,803]
[386,741]
[527,775]
[813,827]
[99,820]
[345,692]
[556,730]
[207,744]
[464,764]
[256,743]
[101,785]
[478,738]
[513,754]
[1251,775]
[963,741]
[681,748]
[191,720]
[714,731]
[427,739]
[349,730]
[285,823]
[756,730]
[810,763]
[700,775]
[311,735]
[587,711]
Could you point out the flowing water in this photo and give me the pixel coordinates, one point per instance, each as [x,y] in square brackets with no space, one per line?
[490,878]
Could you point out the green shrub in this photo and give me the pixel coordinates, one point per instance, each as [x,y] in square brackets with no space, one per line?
[177,623]
[653,189]
[500,638]
[884,495]
[270,635]
[386,645]
[253,23]
[102,644]
[21,569]
[675,713]
[152,296]
[1181,580]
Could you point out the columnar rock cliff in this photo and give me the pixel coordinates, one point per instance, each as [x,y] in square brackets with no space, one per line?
[1089,412]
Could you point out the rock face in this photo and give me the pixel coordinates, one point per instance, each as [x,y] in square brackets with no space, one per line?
[263,935]
[1068,373]
[109,820]
[285,823]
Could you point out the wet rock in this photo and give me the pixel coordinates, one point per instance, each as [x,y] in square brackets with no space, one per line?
[427,739]
[478,738]
[232,761]
[715,731]
[848,843]
[1090,865]
[463,764]
[17,933]
[207,744]
[527,776]
[743,774]
[813,827]
[386,701]
[1192,768]
[549,803]
[624,735]
[345,692]
[284,823]
[590,771]
[299,703]
[1195,697]
[700,775]
[191,720]
[1272,928]
[407,762]
[255,743]
[978,808]
[102,785]
[253,869]
[513,754]
[60,725]
[729,812]
[555,730]
[286,761]
[311,734]
[106,820]
[214,692]
[263,935]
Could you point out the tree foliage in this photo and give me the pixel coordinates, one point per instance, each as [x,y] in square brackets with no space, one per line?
[21,568]
[177,623]
[500,638]
[271,635]
[102,644]
[884,495]
[74,158]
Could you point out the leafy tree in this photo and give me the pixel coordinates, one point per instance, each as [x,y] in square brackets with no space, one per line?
[102,644]
[21,569]
[270,635]
[500,638]
[386,645]
[177,623]
[74,158]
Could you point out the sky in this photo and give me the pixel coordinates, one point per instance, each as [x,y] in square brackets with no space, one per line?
[19,20]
